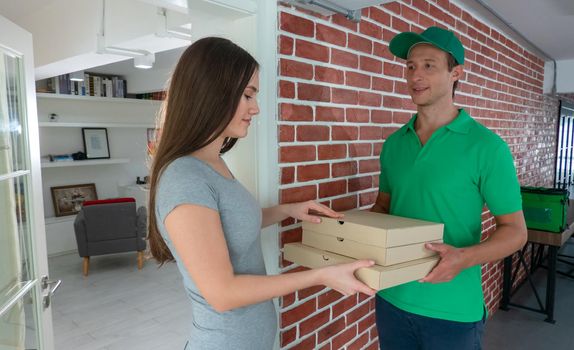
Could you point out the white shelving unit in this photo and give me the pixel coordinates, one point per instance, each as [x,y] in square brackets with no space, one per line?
[94,125]
[84,162]
[74,111]
[126,121]
[95,99]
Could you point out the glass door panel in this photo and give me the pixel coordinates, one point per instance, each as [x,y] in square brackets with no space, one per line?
[19,287]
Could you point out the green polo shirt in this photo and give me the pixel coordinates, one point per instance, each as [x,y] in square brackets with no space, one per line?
[461,167]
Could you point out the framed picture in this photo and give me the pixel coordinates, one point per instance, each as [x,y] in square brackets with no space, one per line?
[68,199]
[151,141]
[96,144]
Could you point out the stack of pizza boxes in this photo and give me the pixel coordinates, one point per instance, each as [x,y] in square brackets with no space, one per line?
[396,244]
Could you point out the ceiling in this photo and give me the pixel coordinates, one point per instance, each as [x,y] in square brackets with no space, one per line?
[547,25]
[16,9]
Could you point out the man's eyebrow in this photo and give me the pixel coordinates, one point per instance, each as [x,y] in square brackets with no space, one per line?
[426,59]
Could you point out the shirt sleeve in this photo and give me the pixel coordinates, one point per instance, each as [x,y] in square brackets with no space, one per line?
[499,184]
[383,179]
[177,189]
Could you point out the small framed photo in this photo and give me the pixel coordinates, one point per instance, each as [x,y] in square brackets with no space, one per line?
[96,145]
[68,199]
[151,141]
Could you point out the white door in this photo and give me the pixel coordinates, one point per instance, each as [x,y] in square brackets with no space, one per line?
[25,291]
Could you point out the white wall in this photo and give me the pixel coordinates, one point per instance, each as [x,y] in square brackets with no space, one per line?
[548,77]
[565,78]
[242,159]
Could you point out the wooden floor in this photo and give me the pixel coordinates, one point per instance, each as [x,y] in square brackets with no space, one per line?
[118,306]
[519,329]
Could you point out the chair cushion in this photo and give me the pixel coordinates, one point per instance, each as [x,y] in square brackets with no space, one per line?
[107,201]
[110,221]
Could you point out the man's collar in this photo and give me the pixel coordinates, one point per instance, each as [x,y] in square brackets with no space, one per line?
[460,124]
[410,125]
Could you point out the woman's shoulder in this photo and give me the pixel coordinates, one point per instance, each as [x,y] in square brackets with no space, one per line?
[182,172]
[185,180]
[186,166]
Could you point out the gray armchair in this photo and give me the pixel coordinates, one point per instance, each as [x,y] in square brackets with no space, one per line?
[110,226]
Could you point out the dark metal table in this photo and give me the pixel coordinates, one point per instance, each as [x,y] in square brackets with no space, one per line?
[540,240]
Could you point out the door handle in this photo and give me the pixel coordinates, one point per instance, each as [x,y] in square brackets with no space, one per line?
[52,286]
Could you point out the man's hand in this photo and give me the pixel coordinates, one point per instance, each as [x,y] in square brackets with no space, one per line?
[449,266]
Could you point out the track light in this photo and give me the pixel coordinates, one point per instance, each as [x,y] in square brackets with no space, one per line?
[164,32]
[142,58]
[145,61]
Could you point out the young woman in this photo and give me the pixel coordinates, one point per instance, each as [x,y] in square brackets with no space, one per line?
[206,221]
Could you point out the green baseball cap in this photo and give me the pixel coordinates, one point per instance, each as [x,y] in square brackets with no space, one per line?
[443,39]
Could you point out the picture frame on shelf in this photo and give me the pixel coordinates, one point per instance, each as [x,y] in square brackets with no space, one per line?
[96,144]
[151,141]
[68,199]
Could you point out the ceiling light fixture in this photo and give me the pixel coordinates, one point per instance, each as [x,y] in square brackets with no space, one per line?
[164,32]
[142,58]
[144,62]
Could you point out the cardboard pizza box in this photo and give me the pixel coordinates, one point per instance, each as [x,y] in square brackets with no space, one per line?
[378,229]
[381,255]
[377,277]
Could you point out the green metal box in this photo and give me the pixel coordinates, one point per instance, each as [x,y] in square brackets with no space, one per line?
[545,209]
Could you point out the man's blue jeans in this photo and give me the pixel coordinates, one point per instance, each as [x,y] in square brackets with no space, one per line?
[401,330]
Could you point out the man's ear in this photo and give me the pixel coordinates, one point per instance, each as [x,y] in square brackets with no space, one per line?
[457,72]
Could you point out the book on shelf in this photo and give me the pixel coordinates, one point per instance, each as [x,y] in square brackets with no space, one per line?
[156,96]
[64,84]
[87,85]
[60,158]
[98,85]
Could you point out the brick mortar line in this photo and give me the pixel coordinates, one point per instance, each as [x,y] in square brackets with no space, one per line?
[339,196]
[366,331]
[393,94]
[327,307]
[347,31]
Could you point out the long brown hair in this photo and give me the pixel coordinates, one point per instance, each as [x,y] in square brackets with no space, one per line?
[205,90]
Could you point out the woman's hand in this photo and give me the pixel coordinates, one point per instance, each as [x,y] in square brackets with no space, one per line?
[342,278]
[305,210]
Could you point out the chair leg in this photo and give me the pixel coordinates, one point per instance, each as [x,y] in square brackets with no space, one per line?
[140,260]
[86,266]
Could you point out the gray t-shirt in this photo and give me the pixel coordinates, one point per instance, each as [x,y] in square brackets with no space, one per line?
[192,181]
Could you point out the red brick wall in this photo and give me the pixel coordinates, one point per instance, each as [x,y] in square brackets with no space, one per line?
[341,94]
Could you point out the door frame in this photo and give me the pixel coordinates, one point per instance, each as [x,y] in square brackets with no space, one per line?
[564,147]
[18,40]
